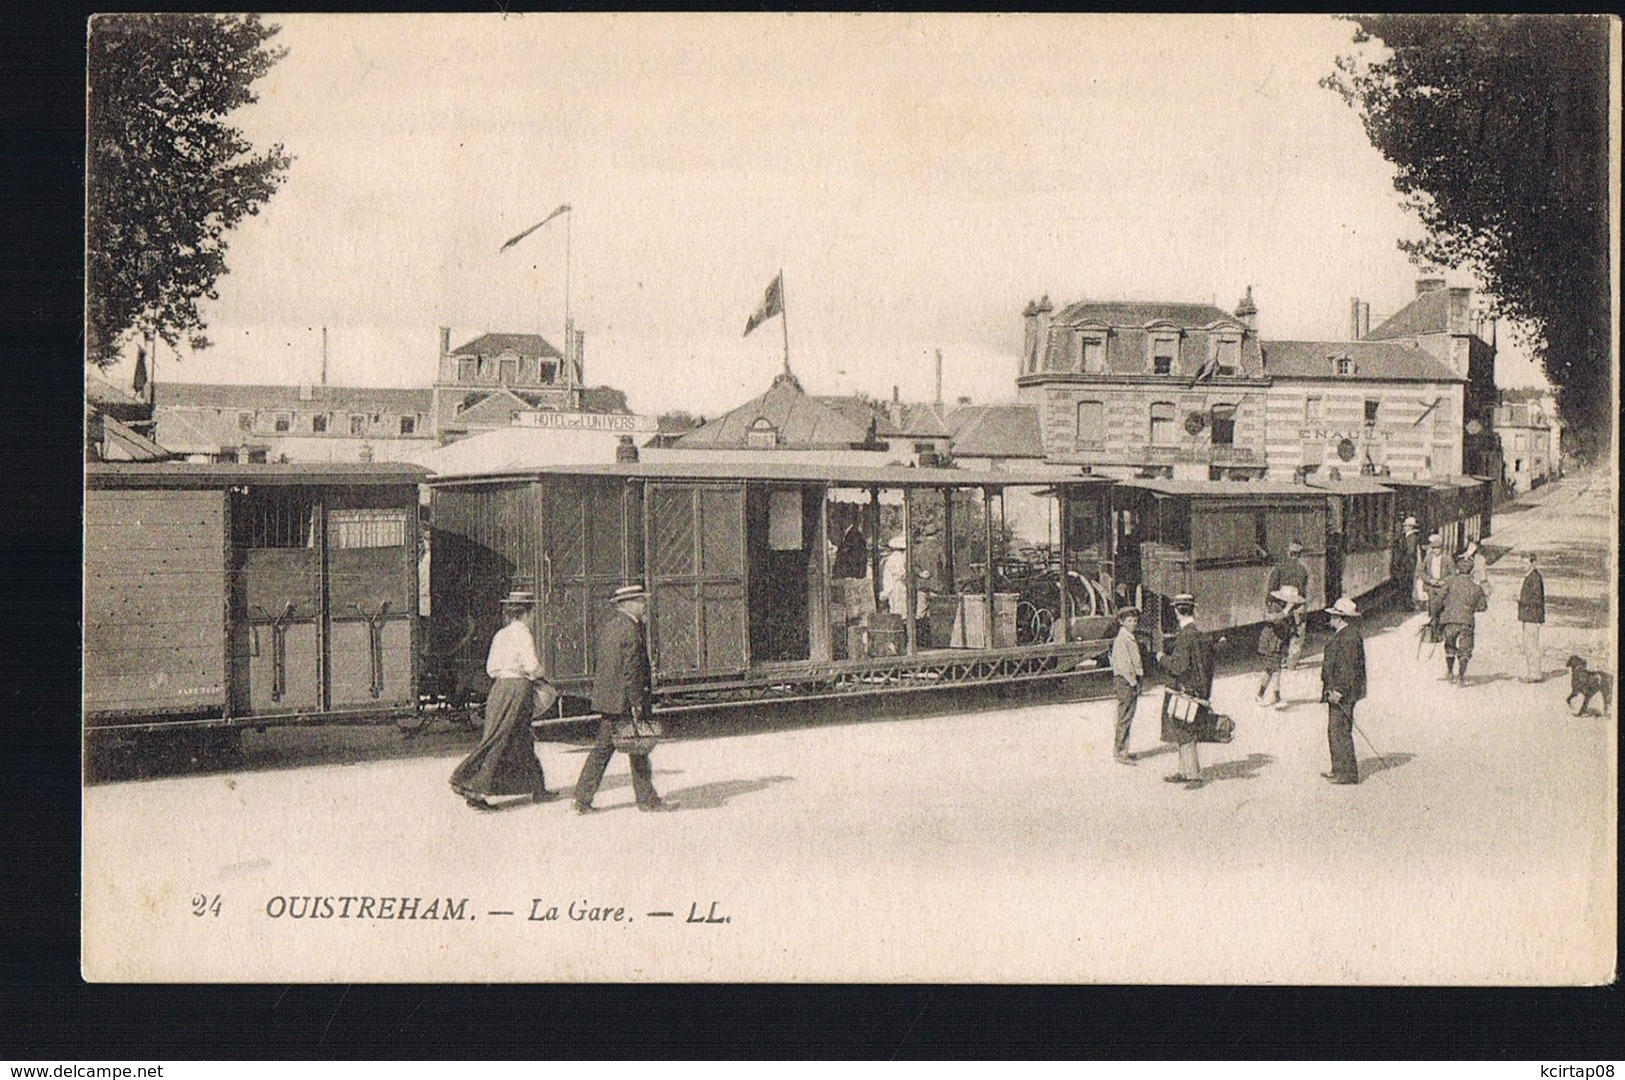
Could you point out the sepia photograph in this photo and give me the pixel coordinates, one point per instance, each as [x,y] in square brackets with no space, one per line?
[834,498]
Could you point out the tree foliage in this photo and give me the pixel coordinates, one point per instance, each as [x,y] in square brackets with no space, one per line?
[1499,129]
[167,175]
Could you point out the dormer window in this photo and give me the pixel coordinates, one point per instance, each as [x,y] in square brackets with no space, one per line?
[762,435]
[1164,351]
[467,369]
[1343,365]
[549,372]
[1226,357]
[1093,346]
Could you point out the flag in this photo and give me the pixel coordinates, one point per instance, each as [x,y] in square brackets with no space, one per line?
[564,208]
[772,304]
[140,381]
[1208,368]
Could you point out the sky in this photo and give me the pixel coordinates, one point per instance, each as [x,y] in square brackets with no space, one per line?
[917,178]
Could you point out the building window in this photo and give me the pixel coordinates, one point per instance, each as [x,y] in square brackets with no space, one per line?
[1370,411]
[1091,422]
[1163,432]
[1311,410]
[358,424]
[467,369]
[1517,465]
[1345,366]
[1163,352]
[245,421]
[1224,425]
[549,372]
[1226,357]
[256,457]
[761,435]
[318,424]
[510,371]
[282,422]
[409,425]
[1094,354]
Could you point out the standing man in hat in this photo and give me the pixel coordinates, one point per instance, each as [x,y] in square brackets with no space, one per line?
[1431,569]
[1531,614]
[1291,571]
[1405,557]
[1190,661]
[1456,604]
[1342,681]
[1128,671]
[1474,553]
[504,763]
[1286,603]
[621,690]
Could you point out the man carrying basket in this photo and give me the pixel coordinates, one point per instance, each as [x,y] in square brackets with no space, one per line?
[622,694]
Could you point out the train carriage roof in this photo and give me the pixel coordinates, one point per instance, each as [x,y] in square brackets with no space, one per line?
[1352,485]
[776,472]
[1223,488]
[208,476]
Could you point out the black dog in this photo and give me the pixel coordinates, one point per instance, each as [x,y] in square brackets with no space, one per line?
[1586,684]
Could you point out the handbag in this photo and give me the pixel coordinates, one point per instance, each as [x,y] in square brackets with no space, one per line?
[1189,719]
[638,733]
[543,696]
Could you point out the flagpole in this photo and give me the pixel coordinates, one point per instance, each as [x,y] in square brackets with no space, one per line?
[569,330]
[784,322]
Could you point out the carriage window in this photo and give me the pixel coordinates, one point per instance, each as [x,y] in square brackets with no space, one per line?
[1224,534]
[366,529]
[275,519]
[1162,424]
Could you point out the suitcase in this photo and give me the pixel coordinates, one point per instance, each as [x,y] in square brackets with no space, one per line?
[1187,719]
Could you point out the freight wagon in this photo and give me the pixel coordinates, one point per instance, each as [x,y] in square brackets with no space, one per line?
[225,596]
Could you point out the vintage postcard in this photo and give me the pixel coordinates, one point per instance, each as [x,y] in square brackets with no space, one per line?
[836,498]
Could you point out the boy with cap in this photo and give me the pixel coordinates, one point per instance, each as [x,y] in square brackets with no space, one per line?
[621,690]
[1342,680]
[1456,605]
[1128,671]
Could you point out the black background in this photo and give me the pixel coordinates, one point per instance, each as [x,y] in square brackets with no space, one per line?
[48,1013]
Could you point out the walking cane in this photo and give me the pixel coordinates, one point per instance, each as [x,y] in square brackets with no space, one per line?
[1375,753]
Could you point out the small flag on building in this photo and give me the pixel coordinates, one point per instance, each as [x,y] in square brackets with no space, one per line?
[772,304]
[564,208]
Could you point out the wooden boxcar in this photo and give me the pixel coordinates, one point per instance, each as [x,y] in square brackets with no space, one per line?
[1217,540]
[778,581]
[1361,524]
[249,595]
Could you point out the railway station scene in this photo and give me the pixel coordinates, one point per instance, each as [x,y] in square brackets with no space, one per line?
[479,603]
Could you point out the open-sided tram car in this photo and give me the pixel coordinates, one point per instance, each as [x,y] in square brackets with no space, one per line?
[228,596]
[781,581]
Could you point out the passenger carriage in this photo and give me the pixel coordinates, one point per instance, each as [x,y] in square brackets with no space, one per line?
[783,581]
[1458,508]
[1217,540]
[1361,535]
[224,596]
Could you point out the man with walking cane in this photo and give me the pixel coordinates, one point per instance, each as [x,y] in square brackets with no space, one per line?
[1342,680]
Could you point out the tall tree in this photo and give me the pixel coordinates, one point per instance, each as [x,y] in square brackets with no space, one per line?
[166,175]
[1499,128]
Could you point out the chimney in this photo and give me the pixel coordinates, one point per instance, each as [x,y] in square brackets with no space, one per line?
[1036,320]
[1247,311]
[939,381]
[1425,285]
[445,341]
[626,450]
[1365,321]
[1354,318]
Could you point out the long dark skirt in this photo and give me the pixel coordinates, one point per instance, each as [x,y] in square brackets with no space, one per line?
[504,763]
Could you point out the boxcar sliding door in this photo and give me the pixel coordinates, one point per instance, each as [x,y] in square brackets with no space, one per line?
[590,547]
[372,558]
[696,555]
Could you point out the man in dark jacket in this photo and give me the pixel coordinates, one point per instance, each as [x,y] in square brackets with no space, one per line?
[1342,680]
[621,689]
[1291,571]
[1455,606]
[1190,661]
[1531,615]
[1406,553]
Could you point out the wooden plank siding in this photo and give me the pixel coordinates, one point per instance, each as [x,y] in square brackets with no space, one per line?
[155,602]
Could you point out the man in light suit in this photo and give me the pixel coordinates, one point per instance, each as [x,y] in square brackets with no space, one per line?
[621,689]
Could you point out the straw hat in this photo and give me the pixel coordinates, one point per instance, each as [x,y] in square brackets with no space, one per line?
[1184,600]
[1409,523]
[1288,594]
[628,592]
[1124,613]
[1344,609]
[1294,548]
[519,598]
[897,543]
